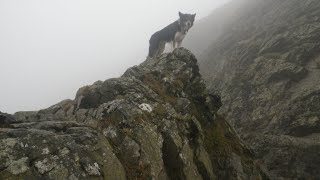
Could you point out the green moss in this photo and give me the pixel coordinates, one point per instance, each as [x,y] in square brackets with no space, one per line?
[160,111]
[153,84]
[26,175]
[100,153]
[215,141]
[111,119]
[158,88]
[120,97]
[221,141]
[138,172]
[178,83]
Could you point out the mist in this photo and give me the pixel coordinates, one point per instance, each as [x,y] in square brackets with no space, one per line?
[49,49]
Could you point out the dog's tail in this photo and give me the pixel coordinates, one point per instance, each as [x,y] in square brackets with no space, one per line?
[153,46]
[152,50]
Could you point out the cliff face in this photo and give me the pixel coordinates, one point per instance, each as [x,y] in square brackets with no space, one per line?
[156,121]
[266,66]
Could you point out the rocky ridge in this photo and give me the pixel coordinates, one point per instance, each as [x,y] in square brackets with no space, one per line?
[157,121]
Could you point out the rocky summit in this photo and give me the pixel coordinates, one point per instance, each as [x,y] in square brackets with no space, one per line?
[157,121]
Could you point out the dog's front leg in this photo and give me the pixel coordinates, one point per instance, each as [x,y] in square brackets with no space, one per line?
[179,44]
[173,45]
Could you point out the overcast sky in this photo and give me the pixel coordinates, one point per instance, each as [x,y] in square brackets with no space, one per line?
[51,48]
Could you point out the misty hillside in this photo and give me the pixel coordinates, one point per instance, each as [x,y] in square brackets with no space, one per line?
[263,57]
[210,28]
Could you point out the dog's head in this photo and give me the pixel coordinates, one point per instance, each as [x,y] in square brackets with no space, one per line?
[186,21]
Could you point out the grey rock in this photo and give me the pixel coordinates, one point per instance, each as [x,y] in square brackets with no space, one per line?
[18,166]
[45,165]
[157,121]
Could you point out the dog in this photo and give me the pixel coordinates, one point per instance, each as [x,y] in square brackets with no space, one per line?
[174,33]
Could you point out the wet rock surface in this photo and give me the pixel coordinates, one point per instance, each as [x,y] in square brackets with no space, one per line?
[157,121]
[265,66]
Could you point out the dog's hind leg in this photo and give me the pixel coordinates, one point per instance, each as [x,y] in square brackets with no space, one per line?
[153,46]
[161,48]
[152,50]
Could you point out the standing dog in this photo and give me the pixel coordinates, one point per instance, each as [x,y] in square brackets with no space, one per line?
[173,33]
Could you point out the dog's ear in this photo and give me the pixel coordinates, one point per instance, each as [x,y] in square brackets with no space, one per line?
[180,14]
[194,16]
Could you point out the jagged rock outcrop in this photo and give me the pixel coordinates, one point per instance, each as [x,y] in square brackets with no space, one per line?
[157,121]
[266,66]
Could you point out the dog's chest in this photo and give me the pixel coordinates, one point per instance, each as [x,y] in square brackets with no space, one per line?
[179,36]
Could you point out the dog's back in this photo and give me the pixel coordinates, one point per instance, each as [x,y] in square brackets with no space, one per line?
[158,39]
